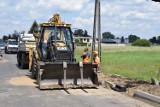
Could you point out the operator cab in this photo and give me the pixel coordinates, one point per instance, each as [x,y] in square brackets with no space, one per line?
[59,38]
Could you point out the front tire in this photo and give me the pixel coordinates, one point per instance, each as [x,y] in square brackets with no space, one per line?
[18,60]
[22,64]
[34,67]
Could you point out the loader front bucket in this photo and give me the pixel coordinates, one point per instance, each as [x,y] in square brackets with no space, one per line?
[67,75]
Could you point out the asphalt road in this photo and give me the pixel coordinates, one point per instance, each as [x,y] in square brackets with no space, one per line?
[17,89]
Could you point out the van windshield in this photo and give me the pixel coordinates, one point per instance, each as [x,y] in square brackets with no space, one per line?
[13,43]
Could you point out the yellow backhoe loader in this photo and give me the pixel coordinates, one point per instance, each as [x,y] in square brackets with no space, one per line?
[53,63]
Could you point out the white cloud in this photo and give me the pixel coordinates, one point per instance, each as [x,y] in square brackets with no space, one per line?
[80,22]
[16,22]
[2,4]
[140,15]
[68,5]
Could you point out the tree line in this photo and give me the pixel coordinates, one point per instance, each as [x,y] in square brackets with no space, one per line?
[83,33]
[106,35]
[132,38]
[14,35]
[155,40]
[109,35]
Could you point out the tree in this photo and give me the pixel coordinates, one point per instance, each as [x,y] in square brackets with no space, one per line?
[9,36]
[141,42]
[34,25]
[158,40]
[15,35]
[117,38]
[153,40]
[5,38]
[133,38]
[85,33]
[122,39]
[81,33]
[78,32]
[108,35]
[22,32]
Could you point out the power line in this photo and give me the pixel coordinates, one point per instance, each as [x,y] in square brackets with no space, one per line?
[71,4]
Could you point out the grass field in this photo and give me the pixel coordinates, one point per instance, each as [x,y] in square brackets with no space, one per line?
[132,62]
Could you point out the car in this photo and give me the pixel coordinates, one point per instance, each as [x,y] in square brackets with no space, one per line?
[1,53]
[2,46]
[11,46]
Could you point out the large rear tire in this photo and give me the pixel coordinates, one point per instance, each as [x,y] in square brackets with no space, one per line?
[18,60]
[22,64]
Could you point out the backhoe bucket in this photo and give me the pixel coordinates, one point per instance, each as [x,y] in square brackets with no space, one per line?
[67,75]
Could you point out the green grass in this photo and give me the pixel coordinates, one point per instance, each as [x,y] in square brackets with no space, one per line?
[132,62]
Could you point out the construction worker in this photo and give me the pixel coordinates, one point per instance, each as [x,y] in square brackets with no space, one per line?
[96,59]
[85,56]
[44,45]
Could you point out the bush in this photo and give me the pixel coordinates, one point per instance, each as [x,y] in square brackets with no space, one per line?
[77,41]
[83,44]
[141,42]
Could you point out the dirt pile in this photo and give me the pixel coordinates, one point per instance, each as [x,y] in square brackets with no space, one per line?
[1,58]
[133,85]
[23,80]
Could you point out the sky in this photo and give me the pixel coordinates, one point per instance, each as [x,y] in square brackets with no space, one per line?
[120,17]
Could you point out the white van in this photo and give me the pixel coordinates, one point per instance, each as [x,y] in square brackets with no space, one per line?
[11,46]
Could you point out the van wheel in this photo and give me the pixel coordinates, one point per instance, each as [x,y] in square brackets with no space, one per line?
[22,64]
[6,52]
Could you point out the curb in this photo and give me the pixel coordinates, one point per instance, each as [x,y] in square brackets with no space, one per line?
[115,87]
[147,96]
[109,84]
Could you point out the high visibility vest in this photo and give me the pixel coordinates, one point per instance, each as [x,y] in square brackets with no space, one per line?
[85,57]
[96,60]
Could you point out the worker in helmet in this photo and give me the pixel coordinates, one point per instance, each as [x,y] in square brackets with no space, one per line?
[43,48]
[85,56]
[96,59]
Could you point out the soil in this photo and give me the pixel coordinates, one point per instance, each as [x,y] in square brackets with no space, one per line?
[23,80]
[133,85]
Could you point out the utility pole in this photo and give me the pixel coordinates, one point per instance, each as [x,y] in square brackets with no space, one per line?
[97,28]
